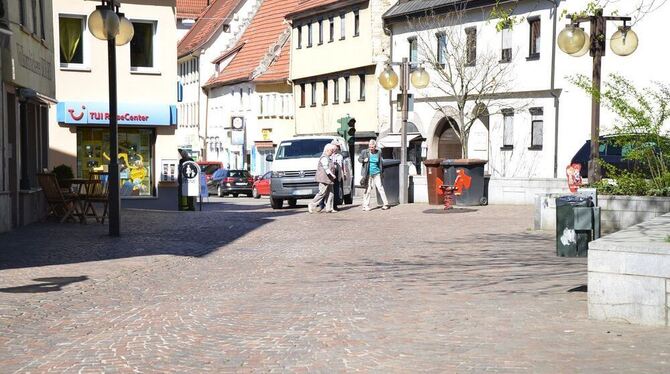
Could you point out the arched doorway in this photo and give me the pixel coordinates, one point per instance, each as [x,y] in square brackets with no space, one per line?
[449,145]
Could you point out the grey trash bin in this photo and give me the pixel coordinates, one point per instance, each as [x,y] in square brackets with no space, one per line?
[390,181]
[472,170]
[577,223]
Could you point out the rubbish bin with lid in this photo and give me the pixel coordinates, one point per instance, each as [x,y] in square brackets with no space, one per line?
[435,179]
[577,223]
[467,175]
[390,181]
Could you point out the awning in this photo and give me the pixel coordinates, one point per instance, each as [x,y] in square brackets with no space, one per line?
[393,140]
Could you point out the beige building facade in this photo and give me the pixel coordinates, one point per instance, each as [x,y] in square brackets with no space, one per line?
[147,96]
[27,92]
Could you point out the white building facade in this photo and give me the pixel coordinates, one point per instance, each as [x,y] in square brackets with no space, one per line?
[216,31]
[533,128]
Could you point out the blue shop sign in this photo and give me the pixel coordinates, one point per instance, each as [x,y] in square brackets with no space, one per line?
[97,113]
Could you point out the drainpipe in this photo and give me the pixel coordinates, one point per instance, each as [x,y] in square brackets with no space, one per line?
[389,32]
[553,84]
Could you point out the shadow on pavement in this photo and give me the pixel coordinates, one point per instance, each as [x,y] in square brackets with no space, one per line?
[46,285]
[483,263]
[143,233]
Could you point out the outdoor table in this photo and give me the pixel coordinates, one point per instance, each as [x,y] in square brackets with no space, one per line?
[80,189]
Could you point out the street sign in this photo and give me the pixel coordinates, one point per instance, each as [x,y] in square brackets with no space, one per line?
[190,179]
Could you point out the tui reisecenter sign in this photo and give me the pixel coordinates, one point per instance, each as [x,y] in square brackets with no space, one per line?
[97,113]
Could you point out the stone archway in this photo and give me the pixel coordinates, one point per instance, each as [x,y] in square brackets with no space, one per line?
[441,139]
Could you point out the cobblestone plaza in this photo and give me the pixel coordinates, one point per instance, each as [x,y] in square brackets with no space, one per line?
[241,288]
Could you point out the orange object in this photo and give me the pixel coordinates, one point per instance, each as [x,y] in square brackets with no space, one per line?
[463,181]
[573,172]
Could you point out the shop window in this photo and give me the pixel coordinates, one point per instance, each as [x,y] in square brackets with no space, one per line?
[142,47]
[135,157]
[71,34]
[536,128]
[471,46]
[534,46]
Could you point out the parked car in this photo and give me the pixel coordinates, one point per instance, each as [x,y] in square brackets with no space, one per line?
[262,186]
[209,168]
[230,182]
[611,152]
[294,169]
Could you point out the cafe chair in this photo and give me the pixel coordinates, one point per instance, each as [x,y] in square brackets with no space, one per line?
[60,205]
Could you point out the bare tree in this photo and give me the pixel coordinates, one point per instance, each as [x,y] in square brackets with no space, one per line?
[473,79]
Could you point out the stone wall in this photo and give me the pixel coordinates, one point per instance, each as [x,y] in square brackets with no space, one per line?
[617,212]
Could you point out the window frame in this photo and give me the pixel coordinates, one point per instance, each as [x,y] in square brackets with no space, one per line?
[320,31]
[413,45]
[336,90]
[533,52]
[302,95]
[84,65]
[325,92]
[471,46]
[357,23]
[154,69]
[299,37]
[343,28]
[441,48]
[313,89]
[331,29]
[309,35]
[347,89]
[537,118]
[506,53]
[508,144]
[361,87]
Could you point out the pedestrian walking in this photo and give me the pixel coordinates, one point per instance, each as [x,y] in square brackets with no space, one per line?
[371,173]
[340,173]
[325,177]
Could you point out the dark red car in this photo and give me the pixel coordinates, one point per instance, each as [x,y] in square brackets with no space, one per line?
[262,186]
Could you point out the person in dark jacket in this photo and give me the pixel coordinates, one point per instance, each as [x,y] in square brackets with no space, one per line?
[185,202]
[371,172]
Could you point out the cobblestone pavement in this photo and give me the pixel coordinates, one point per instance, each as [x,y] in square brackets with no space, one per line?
[240,288]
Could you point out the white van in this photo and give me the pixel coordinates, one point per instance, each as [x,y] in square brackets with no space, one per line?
[294,169]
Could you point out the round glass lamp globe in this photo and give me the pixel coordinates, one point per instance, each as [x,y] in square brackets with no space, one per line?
[388,78]
[624,41]
[103,23]
[126,31]
[571,39]
[585,48]
[420,78]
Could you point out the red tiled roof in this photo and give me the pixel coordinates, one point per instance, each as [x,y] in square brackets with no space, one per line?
[191,8]
[263,32]
[218,13]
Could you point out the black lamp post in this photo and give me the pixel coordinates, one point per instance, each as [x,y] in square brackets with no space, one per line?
[575,42]
[106,23]
[389,80]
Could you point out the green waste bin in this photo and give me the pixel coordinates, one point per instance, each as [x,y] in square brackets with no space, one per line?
[577,223]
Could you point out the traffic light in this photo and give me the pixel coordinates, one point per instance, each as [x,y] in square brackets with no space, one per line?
[347,128]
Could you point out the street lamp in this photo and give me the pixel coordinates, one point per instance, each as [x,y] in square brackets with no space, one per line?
[106,23]
[389,80]
[575,42]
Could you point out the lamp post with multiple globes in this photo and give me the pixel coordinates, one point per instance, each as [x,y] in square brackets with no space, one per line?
[575,42]
[106,23]
[389,80]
